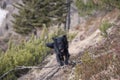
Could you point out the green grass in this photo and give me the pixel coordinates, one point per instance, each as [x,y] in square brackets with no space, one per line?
[104,27]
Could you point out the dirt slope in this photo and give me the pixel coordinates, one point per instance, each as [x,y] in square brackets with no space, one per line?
[89,35]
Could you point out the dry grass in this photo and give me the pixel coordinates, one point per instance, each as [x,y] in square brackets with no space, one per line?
[106,66]
[103,67]
[92,68]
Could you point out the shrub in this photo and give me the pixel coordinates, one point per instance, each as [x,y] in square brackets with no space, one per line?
[85,70]
[24,54]
[27,53]
[104,27]
[59,31]
[71,36]
[85,8]
[91,67]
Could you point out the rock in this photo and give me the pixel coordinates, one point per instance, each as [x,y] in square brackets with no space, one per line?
[6,16]
[2,21]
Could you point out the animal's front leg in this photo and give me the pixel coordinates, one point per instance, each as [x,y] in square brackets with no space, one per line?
[67,55]
[58,57]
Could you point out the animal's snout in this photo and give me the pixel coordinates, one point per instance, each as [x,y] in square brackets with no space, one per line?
[61,50]
[61,47]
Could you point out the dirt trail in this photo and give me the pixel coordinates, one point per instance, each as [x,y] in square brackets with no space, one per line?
[91,38]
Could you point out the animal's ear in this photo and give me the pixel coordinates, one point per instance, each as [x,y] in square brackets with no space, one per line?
[64,36]
[50,45]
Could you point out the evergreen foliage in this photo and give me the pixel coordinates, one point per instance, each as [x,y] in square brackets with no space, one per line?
[90,5]
[28,53]
[35,13]
[85,8]
[25,54]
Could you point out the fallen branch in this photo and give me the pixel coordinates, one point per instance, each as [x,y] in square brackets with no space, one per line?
[6,74]
[24,67]
[44,76]
[52,74]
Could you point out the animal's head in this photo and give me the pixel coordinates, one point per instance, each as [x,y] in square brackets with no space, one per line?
[59,42]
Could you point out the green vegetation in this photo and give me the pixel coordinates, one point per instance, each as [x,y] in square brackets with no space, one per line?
[104,27]
[27,53]
[60,31]
[36,13]
[95,68]
[87,8]
[110,4]
[71,36]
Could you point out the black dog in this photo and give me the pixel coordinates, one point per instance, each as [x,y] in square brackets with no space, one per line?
[60,45]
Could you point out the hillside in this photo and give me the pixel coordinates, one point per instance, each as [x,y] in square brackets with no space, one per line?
[89,39]
[94,41]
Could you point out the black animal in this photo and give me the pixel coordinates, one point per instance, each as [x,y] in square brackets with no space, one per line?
[60,45]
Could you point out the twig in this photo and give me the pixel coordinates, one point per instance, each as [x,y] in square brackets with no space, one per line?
[6,74]
[24,67]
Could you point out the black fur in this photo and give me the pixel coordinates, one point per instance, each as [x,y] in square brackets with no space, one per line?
[60,45]
[50,45]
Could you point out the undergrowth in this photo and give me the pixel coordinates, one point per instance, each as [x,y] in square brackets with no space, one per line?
[28,53]
[85,8]
[104,27]
[25,54]
[88,7]
[94,68]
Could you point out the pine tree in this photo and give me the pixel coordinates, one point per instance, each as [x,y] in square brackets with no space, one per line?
[35,13]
